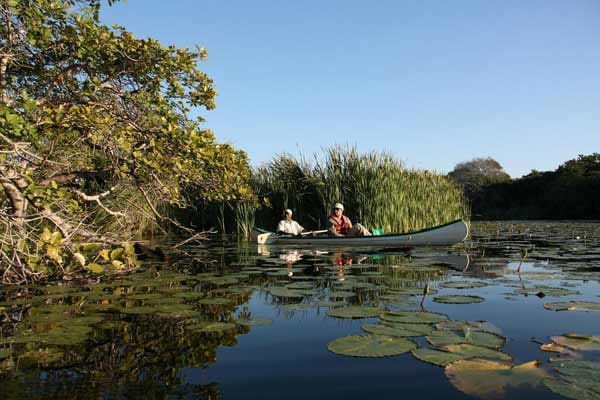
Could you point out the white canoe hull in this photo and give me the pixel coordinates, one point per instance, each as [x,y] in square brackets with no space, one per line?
[443,235]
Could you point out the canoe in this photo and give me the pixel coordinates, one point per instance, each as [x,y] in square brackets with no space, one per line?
[443,235]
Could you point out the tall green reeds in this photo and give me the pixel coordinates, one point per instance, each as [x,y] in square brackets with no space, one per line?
[374,187]
[244,218]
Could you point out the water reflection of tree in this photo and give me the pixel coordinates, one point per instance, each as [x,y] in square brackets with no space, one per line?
[140,354]
[70,384]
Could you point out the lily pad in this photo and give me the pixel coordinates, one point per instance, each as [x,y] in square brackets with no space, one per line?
[209,327]
[144,296]
[423,329]
[396,330]
[355,312]
[394,298]
[457,299]
[189,295]
[573,306]
[370,346]
[492,379]
[542,291]
[478,338]
[341,294]
[471,351]
[215,301]
[578,342]
[412,291]
[255,321]
[137,310]
[435,356]
[413,317]
[331,303]
[285,293]
[576,380]
[300,285]
[458,325]
[463,284]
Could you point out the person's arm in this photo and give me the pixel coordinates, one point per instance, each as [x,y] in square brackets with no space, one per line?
[332,225]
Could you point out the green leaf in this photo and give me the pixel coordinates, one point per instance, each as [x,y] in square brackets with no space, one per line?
[355,312]
[56,237]
[80,258]
[116,253]
[370,346]
[95,268]
[53,253]
[46,235]
[105,254]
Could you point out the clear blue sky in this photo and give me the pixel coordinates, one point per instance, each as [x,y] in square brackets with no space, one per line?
[433,82]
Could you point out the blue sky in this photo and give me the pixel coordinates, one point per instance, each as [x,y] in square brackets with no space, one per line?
[433,82]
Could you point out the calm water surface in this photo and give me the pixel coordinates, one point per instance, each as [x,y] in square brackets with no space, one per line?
[238,321]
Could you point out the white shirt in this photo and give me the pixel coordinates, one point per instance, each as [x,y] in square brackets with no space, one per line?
[289,227]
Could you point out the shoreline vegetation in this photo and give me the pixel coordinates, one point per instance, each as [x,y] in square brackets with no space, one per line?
[375,188]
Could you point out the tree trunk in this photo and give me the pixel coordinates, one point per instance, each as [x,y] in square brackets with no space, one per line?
[18,203]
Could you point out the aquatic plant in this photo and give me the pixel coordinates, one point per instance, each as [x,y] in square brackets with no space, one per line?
[370,346]
[376,189]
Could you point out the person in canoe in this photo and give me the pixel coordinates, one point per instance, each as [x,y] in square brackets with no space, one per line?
[287,226]
[340,225]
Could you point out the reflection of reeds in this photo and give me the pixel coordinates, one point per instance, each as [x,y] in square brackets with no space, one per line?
[397,278]
[375,188]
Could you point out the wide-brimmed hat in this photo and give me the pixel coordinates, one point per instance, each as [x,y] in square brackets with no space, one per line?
[338,205]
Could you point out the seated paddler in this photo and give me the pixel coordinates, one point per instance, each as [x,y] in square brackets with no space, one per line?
[287,226]
[340,225]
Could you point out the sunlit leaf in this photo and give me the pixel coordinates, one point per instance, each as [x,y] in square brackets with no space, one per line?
[355,312]
[413,317]
[370,346]
[457,299]
[576,380]
[486,379]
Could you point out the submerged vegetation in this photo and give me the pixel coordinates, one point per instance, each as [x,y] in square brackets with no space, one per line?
[375,188]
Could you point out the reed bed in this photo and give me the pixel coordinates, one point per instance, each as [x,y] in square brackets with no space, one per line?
[375,188]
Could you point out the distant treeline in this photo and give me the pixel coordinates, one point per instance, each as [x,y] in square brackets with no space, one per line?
[572,191]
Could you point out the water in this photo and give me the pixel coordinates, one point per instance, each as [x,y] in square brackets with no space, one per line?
[173,329]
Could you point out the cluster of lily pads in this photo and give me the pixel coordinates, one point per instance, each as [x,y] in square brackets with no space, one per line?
[39,326]
[470,352]
[53,319]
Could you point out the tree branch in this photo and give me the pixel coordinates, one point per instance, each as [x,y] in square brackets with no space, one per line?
[161,217]
[97,198]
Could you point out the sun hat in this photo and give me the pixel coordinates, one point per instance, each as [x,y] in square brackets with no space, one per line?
[338,205]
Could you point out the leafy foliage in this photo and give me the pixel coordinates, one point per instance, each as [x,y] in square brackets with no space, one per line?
[90,114]
[569,192]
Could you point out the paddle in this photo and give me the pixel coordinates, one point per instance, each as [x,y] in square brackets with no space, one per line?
[315,232]
[307,233]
